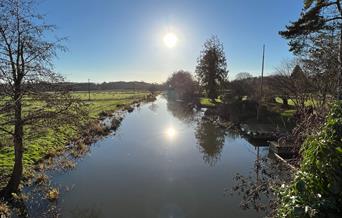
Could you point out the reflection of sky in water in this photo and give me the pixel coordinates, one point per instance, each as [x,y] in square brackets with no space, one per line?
[160,163]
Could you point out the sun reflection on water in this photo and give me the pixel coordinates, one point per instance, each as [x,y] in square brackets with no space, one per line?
[170,132]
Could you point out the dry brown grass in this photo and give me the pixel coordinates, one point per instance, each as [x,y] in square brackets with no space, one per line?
[42,179]
[52,194]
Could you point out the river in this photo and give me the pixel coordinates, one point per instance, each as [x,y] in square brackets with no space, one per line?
[164,161]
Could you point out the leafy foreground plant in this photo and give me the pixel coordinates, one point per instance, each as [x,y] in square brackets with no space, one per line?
[258,191]
[315,190]
[4,210]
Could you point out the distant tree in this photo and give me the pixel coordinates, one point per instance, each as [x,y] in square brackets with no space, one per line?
[318,17]
[211,69]
[32,96]
[246,85]
[152,89]
[243,85]
[243,75]
[240,88]
[120,85]
[290,81]
[183,84]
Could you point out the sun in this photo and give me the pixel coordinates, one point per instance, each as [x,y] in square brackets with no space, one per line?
[170,40]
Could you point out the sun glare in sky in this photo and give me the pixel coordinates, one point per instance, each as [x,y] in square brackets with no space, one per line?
[170,40]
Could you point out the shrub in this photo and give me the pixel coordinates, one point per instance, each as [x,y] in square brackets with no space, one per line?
[316,188]
[183,86]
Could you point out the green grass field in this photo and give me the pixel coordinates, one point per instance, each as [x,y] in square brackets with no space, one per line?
[54,142]
[109,101]
[207,102]
[292,103]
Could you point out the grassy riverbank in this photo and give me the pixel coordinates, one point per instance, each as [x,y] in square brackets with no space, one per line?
[207,102]
[272,114]
[276,106]
[53,142]
[110,100]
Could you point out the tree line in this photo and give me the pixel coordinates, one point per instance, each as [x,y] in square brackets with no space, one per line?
[120,85]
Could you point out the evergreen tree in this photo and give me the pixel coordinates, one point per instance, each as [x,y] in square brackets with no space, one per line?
[212,67]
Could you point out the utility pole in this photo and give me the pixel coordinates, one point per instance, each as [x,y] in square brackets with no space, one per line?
[258,164]
[262,72]
[339,77]
[262,82]
[88,89]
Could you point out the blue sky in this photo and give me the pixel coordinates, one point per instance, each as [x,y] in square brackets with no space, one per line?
[112,40]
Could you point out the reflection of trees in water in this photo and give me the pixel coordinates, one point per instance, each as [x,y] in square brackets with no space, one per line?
[153,107]
[181,111]
[231,135]
[210,139]
[86,213]
[257,190]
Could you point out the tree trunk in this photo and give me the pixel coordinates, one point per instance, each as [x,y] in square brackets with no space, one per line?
[324,95]
[14,182]
[285,101]
[339,77]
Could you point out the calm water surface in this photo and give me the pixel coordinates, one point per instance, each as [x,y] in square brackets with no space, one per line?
[165,161]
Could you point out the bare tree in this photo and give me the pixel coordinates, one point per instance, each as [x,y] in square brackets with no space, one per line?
[320,62]
[33,95]
[243,75]
[292,82]
[243,86]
